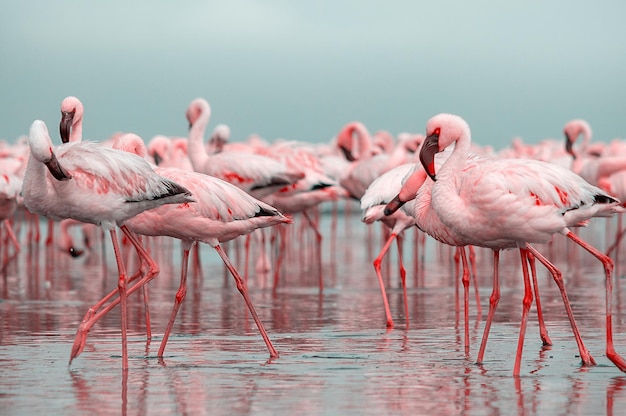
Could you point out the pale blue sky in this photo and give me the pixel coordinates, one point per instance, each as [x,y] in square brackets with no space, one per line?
[302,69]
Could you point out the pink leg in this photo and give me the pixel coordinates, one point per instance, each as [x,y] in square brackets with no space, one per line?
[246,257]
[618,239]
[377,267]
[526,302]
[244,292]
[494,299]
[608,270]
[282,231]
[50,237]
[403,279]
[318,249]
[457,267]
[472,260]
[585,356]
[10,236]
[333,231]
[94,314]
[121,287]
[465,280]
[180,295]
[543,331]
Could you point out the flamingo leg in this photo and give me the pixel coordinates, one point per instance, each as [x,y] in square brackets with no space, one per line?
[377,267]
[10,236]
[318,249]
[180,295]
[472,262]
[585,356]
[465,279]
[244,292]
[494,299]
[543,331]
[618,239]
[93,315]
[527,300]
[246,267]
[608,270]
[403,279]
[121,287]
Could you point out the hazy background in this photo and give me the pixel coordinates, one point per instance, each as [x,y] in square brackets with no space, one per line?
[302,69]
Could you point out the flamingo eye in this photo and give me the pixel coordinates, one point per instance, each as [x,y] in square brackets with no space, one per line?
[437,131]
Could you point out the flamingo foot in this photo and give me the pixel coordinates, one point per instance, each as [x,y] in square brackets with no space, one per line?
[616,359]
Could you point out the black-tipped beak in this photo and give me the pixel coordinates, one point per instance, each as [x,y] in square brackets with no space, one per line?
[569,146]
[56,169]
[75,252]
[427,155]
[393,205]
[347,154]
[67,117]
[157,158]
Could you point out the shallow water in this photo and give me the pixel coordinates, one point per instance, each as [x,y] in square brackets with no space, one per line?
[336,356]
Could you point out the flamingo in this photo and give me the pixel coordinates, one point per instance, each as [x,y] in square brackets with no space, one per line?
[373,202]
[71,125]
[98,185]
[219,138]
[71,130]
[169,152]
[615,184]
[590,162]
[220,212]
[417,187]
[10,185]
[255,174]
[369,162]
[499,200]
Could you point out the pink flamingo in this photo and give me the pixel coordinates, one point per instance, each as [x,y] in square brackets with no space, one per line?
[169,152]
[368,160]
[219,138]
[255,174]
[499,200]
[71,125]
[418,187]
[71,118]
[373,202]
[615,184]
[98,185]
[10,186]
[220,212]
[590,162]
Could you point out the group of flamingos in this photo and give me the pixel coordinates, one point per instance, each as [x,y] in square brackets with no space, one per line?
[454,191]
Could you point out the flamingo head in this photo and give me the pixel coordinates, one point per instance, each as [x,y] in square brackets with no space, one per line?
[71,114]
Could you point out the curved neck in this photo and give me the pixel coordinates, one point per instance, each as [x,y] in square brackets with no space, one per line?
[195,148]
[76,135]
[457,158]
[35,184]
[363,140]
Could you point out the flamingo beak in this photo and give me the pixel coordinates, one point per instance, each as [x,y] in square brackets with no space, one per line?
[157,158]
[66,125]
[56,169]
[347,154]
[569,146]
[75,252]
[427,155]
[393,205]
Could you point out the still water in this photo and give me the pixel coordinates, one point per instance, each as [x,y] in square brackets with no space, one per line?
[336,356]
